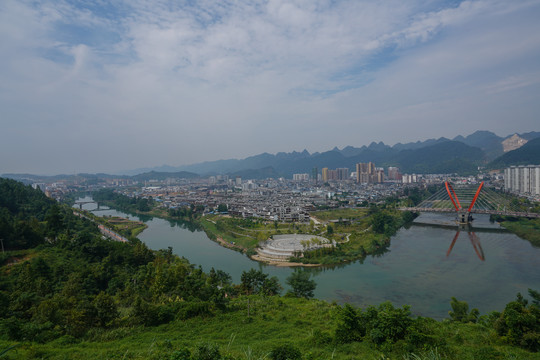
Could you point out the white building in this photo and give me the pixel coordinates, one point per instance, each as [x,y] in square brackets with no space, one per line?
[409,178]
[301,177]
[523,179]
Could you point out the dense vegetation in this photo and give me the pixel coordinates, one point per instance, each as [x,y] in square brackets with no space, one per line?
[28,218]
[131,204]
[528,229]
[71,294]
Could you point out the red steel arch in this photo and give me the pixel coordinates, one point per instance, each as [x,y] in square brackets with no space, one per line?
[452,195]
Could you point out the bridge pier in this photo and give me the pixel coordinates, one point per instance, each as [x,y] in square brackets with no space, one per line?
[464,217]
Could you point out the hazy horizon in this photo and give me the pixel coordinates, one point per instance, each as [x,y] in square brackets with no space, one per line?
[114,86]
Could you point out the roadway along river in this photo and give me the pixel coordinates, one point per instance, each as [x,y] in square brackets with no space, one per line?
[415,270]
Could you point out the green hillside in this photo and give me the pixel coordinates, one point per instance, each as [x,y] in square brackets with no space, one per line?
[442,158]
[70,294]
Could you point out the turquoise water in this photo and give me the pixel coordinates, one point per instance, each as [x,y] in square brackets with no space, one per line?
[415,270]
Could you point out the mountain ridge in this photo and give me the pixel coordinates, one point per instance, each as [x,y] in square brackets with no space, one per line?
[480,148]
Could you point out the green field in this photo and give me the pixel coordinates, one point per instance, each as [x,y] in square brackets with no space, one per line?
[336,214]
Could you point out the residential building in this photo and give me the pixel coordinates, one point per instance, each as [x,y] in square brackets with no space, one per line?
[325,174]
[523,179]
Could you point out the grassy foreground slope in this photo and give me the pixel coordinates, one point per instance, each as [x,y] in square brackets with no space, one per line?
[307,325]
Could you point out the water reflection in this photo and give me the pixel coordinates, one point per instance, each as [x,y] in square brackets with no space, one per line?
[182,224]
[475,241]
[410,272]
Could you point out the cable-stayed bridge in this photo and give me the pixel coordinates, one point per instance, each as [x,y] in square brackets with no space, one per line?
[464,200]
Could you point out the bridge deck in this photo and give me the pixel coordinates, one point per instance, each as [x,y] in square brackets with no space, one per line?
[474,211]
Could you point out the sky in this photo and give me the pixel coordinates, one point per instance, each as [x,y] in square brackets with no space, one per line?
[107,86]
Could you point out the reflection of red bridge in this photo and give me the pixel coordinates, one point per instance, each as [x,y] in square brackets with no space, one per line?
[481,201]
[474,241]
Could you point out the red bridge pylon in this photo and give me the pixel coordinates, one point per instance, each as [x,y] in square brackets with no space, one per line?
[463,216]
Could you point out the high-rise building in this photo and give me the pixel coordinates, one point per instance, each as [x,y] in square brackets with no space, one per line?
[342,174]
[300,177]
[393,173]
[409,178]
[314,173]
[523,179]
[379,175]
[366,173]
[325,174]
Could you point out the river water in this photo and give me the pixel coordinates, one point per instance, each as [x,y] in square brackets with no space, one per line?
[486,267]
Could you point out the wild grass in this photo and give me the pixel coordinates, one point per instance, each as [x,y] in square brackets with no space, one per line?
[306,324]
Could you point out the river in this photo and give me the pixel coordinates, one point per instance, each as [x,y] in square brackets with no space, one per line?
[487,269]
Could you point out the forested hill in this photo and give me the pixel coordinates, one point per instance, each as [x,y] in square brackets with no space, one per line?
[59,277]
[27,216]
[528,154]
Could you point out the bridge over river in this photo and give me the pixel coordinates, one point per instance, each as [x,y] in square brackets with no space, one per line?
[466,200]
[81,203]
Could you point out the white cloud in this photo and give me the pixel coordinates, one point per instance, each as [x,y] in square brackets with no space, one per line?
[165,82]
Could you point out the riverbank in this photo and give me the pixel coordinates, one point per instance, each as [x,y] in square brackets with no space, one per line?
[351,233]
[527,229]
[123,226]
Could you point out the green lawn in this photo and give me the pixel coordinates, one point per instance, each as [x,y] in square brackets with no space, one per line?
[336,214]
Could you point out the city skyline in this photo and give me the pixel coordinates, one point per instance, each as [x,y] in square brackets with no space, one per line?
[124,85]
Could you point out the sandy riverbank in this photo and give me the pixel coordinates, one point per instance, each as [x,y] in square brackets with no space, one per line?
[281,263]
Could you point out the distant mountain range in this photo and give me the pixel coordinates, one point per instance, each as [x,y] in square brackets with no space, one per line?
[458,155]
[528,154]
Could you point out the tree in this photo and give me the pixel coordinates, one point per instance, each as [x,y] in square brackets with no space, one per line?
[271,286]
[461,313]
[222,208]
[519,324]
[349,328]
[536,296]
[329,230]
[54,220]
[257,282]
[106,310]
[301,285]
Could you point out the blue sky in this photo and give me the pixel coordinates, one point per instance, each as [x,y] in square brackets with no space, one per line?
[119,85]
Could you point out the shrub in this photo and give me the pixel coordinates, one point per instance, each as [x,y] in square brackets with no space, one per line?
[349,328]
[519,324]
[182,354]
[383,324]
[285,352]
[207,351]
[390,324]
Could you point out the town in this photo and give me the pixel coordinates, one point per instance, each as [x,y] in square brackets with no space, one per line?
[287,200]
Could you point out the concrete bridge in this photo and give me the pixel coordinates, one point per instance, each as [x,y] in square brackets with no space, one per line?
[81,203]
